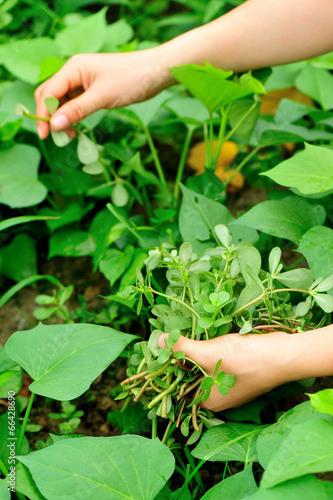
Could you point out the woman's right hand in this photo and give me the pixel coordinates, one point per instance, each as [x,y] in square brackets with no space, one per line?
[89,82]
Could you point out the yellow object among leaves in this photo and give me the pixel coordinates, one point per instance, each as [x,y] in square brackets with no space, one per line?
[229,150]
[271,100]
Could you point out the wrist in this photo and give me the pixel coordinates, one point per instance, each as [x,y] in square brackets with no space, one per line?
[309,354]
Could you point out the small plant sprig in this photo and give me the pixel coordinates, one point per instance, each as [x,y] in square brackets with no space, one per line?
[54,305]
[226,290]
[70,414]
[90,154]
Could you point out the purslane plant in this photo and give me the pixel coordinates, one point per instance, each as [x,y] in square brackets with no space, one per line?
[226,290]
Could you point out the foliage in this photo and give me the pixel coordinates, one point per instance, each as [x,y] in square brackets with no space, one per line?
[121,193]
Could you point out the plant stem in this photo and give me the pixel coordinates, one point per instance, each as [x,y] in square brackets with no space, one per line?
[154,428]
[142,390]
[176,300]
[24,423]
[125,222]
[35,117]
[134,377]
[52,203]
[162,394]
[242,164]
[182,161]
[190,388]
[155,156]
[125,405]
[210,143]
[180,413]
[165,435]
[46,155]
[205,131]
[191,360]
[221,137]
[267,292]
[241,121]
[192,463]
[3,468]
[158,372]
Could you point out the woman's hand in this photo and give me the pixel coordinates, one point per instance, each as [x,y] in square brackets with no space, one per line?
[260,362]
[89,82]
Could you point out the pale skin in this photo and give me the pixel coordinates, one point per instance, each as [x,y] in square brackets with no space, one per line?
[257,34]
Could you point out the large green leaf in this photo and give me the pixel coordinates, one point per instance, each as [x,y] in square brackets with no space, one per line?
[132,421]
[20,186]
[307,449]
[19,258]
[234,487]
[70,242]
[4,491]
[117,34]
[290,111]
[57,218]
[271,438]
[267,133]
[9,126]
[25,484]
[146,111]
[221,91]
[85,36]
[230,441]
[298,171]
[317,83]
[317,247]
[31,60]
[198,217]
[287,218]
[64,360]
[323,401]
[20,92]
[115,262]
[107,468]
[305,488]
[8,366]
[189,110]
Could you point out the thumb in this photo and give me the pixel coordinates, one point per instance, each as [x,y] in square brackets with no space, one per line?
[76,109]
[192,348]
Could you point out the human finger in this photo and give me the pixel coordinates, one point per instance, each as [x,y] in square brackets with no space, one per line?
[65,81]
[76,109]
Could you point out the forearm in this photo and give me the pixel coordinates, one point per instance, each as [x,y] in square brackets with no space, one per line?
[257,34]
[309,354]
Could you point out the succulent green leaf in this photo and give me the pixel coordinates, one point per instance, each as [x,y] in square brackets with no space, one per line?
[87,150]
[52,104]
[60,139]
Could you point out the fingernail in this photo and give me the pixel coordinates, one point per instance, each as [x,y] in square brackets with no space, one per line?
[59,122]
[40,133]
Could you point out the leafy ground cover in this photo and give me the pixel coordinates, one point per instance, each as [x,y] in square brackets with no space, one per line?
[149,204]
